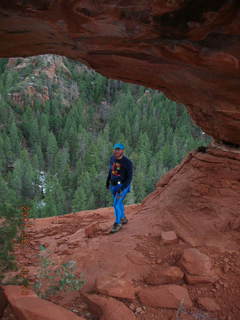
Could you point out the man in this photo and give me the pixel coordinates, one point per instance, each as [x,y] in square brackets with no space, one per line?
[118,180]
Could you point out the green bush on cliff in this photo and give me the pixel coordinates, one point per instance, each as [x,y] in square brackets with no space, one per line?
[10,224]
[50,279]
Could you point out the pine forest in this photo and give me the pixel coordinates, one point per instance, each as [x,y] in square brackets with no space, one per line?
[58,123]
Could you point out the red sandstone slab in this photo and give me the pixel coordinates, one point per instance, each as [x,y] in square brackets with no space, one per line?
[108,308]
[166,296]
[27,306]
[164,275]
[120,288]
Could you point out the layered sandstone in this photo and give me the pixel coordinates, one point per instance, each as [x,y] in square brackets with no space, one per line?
[188,49]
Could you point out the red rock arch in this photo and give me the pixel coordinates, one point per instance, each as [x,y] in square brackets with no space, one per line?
[188,49]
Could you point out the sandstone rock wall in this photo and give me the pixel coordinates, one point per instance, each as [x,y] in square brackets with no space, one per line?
[188,49]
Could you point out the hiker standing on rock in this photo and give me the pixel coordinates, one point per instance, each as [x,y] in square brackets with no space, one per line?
[118,181]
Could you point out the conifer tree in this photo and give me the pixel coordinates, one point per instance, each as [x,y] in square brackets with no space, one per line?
[54,197]
[52,149]
[79,199]
[7,150]
[14,139]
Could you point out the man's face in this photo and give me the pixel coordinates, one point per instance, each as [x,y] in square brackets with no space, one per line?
[118,153]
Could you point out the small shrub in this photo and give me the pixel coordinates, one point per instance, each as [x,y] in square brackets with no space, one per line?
[51,280]
[10,226]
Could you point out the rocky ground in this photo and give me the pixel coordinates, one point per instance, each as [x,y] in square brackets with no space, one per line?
[177,258]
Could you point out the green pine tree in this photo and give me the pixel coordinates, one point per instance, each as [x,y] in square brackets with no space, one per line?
[79,200]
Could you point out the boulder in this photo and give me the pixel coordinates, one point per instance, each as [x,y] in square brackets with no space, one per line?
[115,287]
[14,292]
[164,275]
[208,304]
[108,308]
[92,230]
[195,262]
[166,296]
[26,305]
[169,237]
[198,267]
[195,279]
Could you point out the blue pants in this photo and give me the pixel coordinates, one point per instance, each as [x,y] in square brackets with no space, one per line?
[118,202]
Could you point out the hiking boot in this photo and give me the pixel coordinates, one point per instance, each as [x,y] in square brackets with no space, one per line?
[116,227]
[124,220]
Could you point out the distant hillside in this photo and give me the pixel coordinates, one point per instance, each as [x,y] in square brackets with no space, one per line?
[58,122]
[39,79]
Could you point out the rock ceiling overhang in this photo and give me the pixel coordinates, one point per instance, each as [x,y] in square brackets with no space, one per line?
[189,49]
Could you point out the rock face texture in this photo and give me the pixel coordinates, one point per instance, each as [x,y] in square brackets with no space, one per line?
[199,198]
[188,49]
